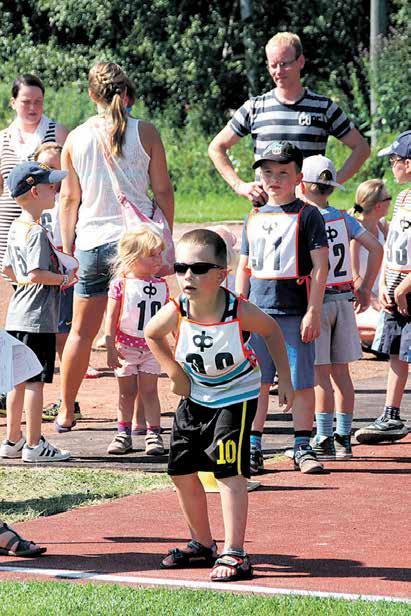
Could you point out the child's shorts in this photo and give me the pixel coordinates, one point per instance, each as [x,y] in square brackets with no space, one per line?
[301,355]
[135,361]
[339,341]
[44,346]
[66,310]
[216,440]
[393,336]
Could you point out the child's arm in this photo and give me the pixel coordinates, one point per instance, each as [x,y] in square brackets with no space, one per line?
[8,271]
[70,198]
[311,323]
[242,279]
[400,295]
[112,315]
[42,276]
[254,320]
[155,334]
[375,254]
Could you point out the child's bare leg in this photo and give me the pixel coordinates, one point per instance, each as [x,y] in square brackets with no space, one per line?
[193,503]
[344,388]
[33,399]
[234,504]
[139,417]
[149,393]
[61,340]
[324,393]
[15,402]
[127,386]
[396,382]
[303,409]
[262,408]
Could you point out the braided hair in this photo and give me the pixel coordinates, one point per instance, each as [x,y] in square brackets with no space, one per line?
[108,83]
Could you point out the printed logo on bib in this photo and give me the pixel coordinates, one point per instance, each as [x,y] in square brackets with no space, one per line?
[150,290]
[339,260]
[273,245]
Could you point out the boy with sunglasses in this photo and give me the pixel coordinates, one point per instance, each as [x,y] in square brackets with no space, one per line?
[283,267]
[393,334]
[216,374]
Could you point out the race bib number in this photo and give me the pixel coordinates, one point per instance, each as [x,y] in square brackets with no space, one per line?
[398,245]
[339,253]
[273,240]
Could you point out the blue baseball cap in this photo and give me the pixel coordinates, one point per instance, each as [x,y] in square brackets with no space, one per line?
[401,146]
[26,175]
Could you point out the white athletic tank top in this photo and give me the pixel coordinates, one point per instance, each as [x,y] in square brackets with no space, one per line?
[339,258]
[363,258]
[397,256]
[100,219]
[140,301]
[220,365]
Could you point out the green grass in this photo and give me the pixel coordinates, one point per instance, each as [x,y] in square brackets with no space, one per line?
[66,599]
[210,207]
[30,493]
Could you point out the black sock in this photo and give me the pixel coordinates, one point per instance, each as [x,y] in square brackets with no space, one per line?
[393,412]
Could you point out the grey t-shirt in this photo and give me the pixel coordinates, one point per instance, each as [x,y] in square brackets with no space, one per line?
[33,307]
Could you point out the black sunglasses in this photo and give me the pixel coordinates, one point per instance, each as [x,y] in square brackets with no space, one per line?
[196,268]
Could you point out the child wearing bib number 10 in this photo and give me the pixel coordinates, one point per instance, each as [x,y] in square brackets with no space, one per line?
[339,340]
[134,296]
[283,269]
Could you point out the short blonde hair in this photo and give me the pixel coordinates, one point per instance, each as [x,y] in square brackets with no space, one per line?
[139,242]
[286,38]
[50,146]
[367,196]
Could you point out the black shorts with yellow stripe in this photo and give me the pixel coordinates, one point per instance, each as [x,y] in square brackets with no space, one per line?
[206,439]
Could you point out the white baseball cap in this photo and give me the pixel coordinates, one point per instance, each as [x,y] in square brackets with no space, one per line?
[314,168]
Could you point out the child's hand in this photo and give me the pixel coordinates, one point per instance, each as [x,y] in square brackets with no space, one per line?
[72,277]
[180,384]
[385,300]
[310,326]
[285,394]
[113,356]
[400,297]
[362,299]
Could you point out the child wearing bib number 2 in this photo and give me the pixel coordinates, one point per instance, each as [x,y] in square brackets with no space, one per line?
[283,268]
[339,341]
[134,296]
[215,372]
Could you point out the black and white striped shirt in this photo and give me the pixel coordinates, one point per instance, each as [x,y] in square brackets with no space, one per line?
[9,209]
[306,123]
[392,277]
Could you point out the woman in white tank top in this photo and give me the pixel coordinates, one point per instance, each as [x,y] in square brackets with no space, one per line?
[372,202]
[90,214]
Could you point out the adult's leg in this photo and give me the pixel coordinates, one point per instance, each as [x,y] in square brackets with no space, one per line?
[87,317]
[15,402]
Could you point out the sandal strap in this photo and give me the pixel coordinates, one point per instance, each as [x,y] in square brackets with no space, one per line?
[16,539]
[232,559]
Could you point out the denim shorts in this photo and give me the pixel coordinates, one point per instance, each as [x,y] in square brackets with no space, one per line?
[393,335]
[94,272]
[301,355]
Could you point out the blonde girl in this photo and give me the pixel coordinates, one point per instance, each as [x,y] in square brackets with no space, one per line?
[372,202]
[135,295]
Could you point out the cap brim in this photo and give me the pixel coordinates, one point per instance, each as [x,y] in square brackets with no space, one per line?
[385,151]
[336,185]
[278,159]
[56,176]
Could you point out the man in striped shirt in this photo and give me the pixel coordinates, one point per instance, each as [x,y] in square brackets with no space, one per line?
[393,335]
[288,112]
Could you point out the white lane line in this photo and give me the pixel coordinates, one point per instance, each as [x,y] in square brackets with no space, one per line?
[68,574]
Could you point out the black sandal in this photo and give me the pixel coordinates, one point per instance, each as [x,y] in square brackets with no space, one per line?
[23,547]
[240,565]
[197,556]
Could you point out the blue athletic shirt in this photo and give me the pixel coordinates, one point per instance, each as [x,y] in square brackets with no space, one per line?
[289,297]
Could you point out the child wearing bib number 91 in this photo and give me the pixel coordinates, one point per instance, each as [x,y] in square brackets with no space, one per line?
[339,340]
[134,296]
[283,268]
[215,372]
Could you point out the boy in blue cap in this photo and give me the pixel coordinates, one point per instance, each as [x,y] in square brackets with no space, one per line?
[33,311]
[393,335]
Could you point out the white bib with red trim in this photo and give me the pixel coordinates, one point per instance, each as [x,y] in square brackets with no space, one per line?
[398,244]
[141,300]
[273,242]
[339,257]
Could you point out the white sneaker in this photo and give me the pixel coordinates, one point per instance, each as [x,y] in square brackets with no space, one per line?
[44,452]
[12,450]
